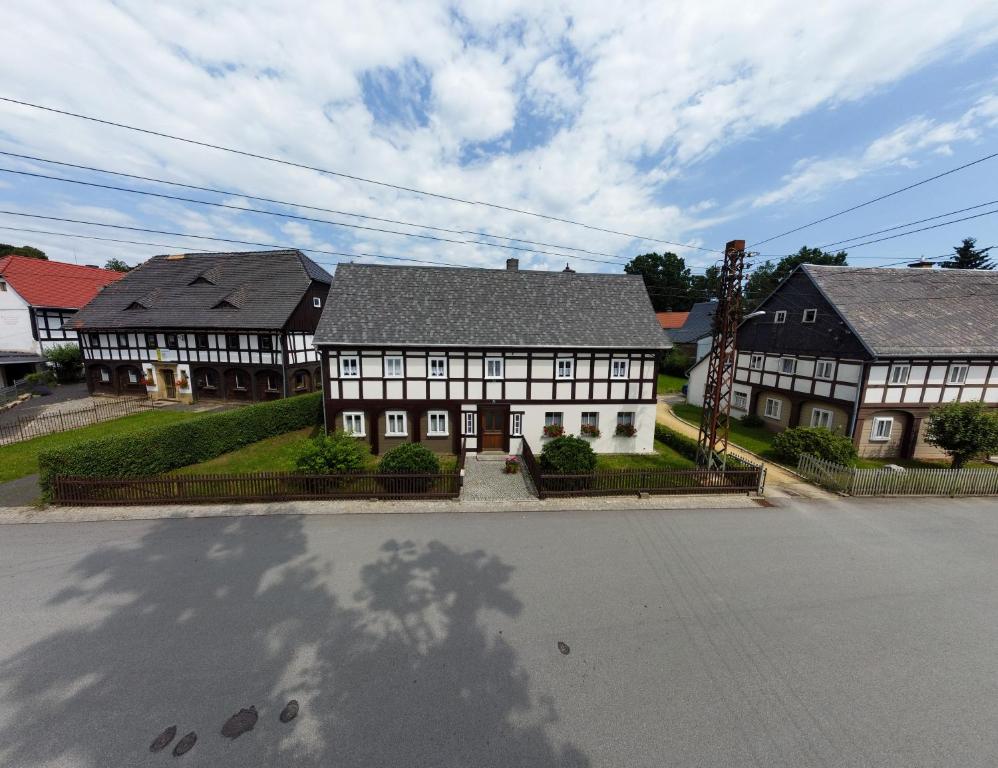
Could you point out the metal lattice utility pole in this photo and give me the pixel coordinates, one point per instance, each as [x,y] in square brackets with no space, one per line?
[712,445]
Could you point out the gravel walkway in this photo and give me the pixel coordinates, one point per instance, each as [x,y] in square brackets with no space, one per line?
[485,480]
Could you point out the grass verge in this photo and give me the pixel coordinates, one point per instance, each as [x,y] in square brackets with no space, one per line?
[668,384]
[756,439]
[663,458]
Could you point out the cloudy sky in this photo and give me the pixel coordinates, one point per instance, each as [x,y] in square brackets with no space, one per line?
[690,122]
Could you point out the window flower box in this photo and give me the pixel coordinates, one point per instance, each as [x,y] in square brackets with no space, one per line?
[590,430]
[626,430]
[512,465]
[553,430]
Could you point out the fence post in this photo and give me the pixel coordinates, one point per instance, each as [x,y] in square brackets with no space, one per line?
[762,479]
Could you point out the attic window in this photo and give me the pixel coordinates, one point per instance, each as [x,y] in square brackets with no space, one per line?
[136,305]
[3,286]
[316,302]
[810,315]
[201,279]
[225,304]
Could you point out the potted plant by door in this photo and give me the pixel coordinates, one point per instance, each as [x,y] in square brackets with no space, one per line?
[512,465]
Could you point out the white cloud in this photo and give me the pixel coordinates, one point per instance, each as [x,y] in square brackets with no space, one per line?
[901,146]
[649,89]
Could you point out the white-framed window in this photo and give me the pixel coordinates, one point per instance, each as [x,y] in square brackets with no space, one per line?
[821,418]
[105,375]
[516,425]
[436,423]
[625,419]
[133,376]
[316,302]
[353,423]
[881,429]
[493,368]
[957,374]
[349,368]
[469,422]
[239,380]
[564,368]
[590,419]
[272,382]
[756,362]
[810,315]
[395,424]
[788,365]
[618,369]
[553,419]
[739,400]
[780,316]
[899,374]
[824,369]
[393,367]
[438,367]
[774,408]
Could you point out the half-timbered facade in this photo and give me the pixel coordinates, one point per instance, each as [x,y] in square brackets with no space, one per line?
[868,353]
[478,359]
[38,299]
[225,326]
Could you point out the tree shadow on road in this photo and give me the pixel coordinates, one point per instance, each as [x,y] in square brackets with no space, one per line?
[203,617]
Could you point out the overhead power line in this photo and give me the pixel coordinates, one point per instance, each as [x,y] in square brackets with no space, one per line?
[229,240]
[298,217]
[340,174]
[367,217]
[876,199]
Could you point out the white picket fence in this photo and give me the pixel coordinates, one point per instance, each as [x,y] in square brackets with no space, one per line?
[890,482]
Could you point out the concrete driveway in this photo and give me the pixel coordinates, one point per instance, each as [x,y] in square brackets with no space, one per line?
[844,633]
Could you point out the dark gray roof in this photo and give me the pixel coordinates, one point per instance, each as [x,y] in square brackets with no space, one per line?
[915,311]
[14,356]
[699,323]
[440,306]
[257,289]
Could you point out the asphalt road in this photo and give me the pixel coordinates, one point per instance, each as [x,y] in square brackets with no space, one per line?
[813,634]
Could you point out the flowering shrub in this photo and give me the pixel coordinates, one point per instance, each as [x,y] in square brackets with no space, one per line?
[590,430]
[512,465]
[553,430]
[626,430]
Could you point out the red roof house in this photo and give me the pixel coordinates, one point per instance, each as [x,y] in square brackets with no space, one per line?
[671,319]
[44,283]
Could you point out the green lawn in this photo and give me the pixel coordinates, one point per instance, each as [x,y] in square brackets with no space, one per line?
[663,458]
[669,384]
[277,454]
[917,464]
[21,459]
[756,439]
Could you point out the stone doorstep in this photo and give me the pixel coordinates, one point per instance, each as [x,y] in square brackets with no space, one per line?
[492,456]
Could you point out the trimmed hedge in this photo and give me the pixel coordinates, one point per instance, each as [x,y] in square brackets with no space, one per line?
[568,455]
[792,443]
[162,449]
[687,446]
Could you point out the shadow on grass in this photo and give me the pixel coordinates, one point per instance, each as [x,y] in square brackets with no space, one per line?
[203,617]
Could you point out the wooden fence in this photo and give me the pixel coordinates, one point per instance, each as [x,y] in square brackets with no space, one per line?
[60,421]
[892,482]
[258,486]
[624,482]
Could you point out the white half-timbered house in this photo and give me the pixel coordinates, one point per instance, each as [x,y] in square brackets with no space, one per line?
[228,326]
[38,298]
[483,358]
[867,352]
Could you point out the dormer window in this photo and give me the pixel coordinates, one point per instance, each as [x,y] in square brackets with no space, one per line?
[225,304]
[201,280]
[135,305]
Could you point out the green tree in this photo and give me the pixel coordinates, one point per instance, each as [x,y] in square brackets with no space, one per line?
[117,265]
[667,279]
[964,430]
[21,250]
[764,278]
[68,362]
[706,286]
[966,256]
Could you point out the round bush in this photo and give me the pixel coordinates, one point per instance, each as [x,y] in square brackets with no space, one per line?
[335,453]
[409,458]
[568,455]
[792,443]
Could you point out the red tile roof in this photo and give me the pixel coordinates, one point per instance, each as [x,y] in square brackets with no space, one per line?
[671,319]
[53,283]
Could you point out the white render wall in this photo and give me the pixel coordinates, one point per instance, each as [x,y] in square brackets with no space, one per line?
[15,323]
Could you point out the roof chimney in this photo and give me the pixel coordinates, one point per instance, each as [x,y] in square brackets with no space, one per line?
[922,263]
[512,265]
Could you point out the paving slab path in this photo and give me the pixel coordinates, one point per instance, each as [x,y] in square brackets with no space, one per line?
[780,482]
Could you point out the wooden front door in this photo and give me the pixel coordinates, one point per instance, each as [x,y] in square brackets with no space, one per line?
[170,384]
[493,429]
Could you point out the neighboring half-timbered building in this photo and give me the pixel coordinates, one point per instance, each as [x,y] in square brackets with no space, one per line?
[219,326]
[868,352]
[38,299]
[481,358]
